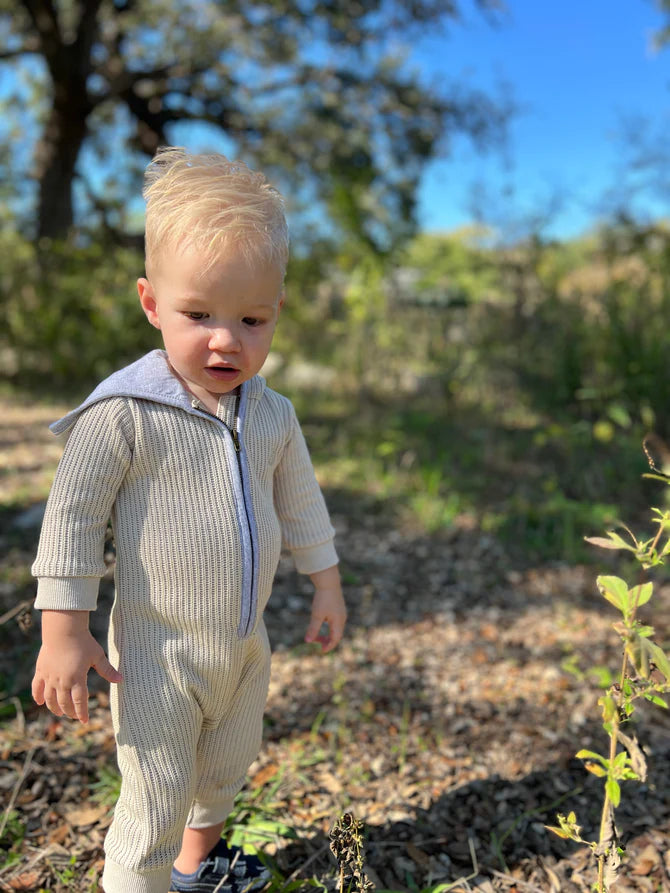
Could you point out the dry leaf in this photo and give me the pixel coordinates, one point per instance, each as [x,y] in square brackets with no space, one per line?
[29,880]
[264,775]
[85,815]
[418,855]
[59,834]
[638,761]
[330,782]
[648,859]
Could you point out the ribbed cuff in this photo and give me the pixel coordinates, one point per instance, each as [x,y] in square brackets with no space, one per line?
[204,815]
[67,593]
[315,558]
[117,879]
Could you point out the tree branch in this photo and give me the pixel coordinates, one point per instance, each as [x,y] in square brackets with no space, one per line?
[30,47]
[88,26]
[45,20]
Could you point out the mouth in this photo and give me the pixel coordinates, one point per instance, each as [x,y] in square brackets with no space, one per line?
[222,373]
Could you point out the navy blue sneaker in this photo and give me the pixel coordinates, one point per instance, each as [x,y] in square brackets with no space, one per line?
[225,870]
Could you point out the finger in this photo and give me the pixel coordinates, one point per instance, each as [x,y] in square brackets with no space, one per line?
[106,670]
[37,689]
[329,643]
[80,702]
[336,627]
[312,634]
[51,700]
[65,702]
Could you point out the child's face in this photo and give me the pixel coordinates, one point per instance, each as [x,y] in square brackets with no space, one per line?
[217,329]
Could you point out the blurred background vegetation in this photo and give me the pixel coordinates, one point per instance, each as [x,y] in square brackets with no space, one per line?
[459,379]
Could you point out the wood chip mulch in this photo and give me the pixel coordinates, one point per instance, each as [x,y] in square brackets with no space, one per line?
[445,721]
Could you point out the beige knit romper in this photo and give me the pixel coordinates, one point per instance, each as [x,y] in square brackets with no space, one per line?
[199,517]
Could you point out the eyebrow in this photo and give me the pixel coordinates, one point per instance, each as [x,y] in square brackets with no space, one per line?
[203,302]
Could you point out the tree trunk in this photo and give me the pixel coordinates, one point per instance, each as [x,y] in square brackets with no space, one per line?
[57,156]
[69,64]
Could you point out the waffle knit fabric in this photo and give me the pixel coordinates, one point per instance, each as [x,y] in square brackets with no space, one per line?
[198,527]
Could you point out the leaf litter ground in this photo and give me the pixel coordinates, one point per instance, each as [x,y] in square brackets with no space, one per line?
[445,721]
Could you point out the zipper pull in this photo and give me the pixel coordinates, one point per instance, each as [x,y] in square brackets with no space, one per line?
[236,440]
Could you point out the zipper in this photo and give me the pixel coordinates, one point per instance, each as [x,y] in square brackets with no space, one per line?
[248,616]
[249,595]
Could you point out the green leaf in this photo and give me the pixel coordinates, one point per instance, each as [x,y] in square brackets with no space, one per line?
[557,831]
[603,676]
[609,707]
[658,656]
[591,755]
[613,789]
[595,769]
[614,589]
[637,650]
[640,595]
[620,759]
[656,699]
[655,477]
[614,542]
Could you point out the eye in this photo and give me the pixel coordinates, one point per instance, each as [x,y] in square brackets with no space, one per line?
[252,321]
[192,314]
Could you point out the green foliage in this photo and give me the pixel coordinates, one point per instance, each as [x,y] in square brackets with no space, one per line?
[107,787]
[461,381]
[12,832]
[71,313]
[580,327]
[644,673]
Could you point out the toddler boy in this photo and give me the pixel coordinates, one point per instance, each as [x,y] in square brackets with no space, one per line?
[204,473]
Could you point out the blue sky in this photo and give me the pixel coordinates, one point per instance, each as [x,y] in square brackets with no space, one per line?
[578,69]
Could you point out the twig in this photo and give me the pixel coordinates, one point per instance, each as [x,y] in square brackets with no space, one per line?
[324,849]
[475,868]
[15,610]
[15,869]
[374,844]
[519,883]
[20,715]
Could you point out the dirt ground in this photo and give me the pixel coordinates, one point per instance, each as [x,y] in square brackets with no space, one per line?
[445,721]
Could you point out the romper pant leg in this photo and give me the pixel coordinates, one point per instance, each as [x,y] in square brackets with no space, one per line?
[157,735]
[226,750]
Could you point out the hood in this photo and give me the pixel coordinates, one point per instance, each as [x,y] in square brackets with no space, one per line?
[150,378]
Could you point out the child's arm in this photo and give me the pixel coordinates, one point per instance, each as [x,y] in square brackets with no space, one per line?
[67,654]
[327,607]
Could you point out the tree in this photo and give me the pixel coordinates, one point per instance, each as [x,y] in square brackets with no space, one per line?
[312,91]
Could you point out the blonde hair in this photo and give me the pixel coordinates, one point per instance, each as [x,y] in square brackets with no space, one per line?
[212,204]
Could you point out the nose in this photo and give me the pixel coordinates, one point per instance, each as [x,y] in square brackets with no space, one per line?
[224,339]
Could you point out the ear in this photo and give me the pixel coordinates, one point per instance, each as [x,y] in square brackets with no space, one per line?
[282,298]
[148,302]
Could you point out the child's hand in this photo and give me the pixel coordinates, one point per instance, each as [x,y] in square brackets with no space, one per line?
[327,607]
[67,654]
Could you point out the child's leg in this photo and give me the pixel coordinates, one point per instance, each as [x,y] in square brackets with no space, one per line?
[156,751]
[196,845]
[226,751]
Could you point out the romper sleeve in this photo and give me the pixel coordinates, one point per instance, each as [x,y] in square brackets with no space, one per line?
[70,555]
[301,508]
